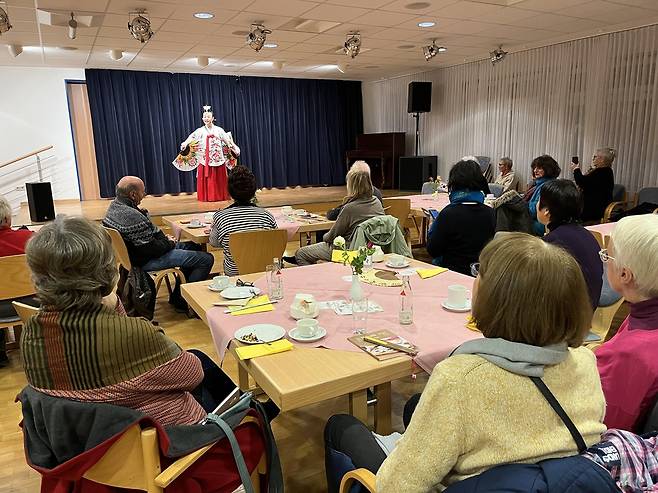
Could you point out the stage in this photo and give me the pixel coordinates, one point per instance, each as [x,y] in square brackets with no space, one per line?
[314,199]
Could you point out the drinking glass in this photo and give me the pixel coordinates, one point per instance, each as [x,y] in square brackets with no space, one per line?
[270,272]
[360,315]
[367,264]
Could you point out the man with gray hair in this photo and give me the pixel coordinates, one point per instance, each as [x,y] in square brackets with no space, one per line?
[148,247]
[507,178]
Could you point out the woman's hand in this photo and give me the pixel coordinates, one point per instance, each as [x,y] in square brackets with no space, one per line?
[574,166]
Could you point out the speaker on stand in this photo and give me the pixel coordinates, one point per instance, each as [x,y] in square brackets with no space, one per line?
[419,100]
[40,201]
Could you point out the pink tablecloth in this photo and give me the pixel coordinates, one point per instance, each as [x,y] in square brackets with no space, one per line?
[435,331]
[283,222]
[605,229]
[177,227]
[427,201]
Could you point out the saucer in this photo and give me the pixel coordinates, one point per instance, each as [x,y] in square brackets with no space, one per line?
[216,289]
[406,263]
[462,309]
[299,338]
[196,226]
[378,259]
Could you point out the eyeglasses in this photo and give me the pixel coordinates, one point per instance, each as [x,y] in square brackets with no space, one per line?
[475,269]
[241,283]
[603,255]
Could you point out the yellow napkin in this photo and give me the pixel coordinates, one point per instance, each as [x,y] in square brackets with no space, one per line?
[470,324]
[256,350]
[337,255]
[427,273]
[245,310]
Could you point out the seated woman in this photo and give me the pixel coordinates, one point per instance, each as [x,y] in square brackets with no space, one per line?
[78,348]
[559,208]
[596,184]
[332,214]
[627,363]
[480,407]
[463,228]
[360,205]
[241,215]
[544,169]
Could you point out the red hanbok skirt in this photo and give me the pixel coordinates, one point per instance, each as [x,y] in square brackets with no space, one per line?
[211,183]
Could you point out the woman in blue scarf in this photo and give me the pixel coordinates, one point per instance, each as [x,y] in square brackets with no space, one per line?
[466,225]
[544,169]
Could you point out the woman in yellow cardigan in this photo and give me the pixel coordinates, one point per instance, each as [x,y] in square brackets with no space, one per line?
[480,408]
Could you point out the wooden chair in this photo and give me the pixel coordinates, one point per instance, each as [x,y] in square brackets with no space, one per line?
[400,208]
[17,282]
[602,320]
[24,311]
[133,462]
[598,237]
[253,251]
[121,252]
[362,476]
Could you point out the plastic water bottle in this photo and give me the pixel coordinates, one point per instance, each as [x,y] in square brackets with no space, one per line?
[406,301]
[277,281]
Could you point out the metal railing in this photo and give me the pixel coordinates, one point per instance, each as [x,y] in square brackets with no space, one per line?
[16,172]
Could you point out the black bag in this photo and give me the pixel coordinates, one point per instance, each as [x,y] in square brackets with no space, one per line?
[137,291]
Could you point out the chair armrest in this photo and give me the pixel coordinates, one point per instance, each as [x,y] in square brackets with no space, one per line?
[363,476]
[611,208]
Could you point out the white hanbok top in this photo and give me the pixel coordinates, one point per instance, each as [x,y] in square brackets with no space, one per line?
[216,146]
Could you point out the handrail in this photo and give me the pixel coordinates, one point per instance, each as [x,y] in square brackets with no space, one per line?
[33,153]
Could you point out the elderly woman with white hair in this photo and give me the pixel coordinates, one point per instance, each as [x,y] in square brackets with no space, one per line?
[596,184]
[628,363]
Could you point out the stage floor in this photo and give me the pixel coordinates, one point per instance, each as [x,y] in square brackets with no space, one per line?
[315,199]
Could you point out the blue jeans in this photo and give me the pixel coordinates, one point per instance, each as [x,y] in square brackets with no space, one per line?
[195,265]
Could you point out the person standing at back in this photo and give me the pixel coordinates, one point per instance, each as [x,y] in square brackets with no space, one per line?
[596,184]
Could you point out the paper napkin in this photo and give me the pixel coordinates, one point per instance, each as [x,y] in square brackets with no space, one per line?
[258,309]
[256,350]
[470,324]
[427,273]
[337,255]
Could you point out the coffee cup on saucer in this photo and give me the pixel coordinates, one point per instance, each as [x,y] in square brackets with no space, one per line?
[308,327]
[397,260]
[220,282]
[195,222]
[457,296]
[378,255]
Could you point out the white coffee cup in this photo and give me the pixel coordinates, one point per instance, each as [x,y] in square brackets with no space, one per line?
[378,255]
[195,222]
[308,327]
[397,260]
[220,282]
[457,296]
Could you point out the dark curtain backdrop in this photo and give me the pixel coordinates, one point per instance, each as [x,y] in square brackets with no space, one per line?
[290,131]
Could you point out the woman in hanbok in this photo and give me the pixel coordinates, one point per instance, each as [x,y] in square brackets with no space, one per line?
[215,154]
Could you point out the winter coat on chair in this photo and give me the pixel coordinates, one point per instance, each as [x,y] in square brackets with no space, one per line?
[384,231]
[512,213]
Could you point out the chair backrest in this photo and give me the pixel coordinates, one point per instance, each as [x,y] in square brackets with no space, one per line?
[427,188]
[618,193]
[496,189]
[649,194]
[119,247]
[252,251]
[16,277]
[24,311]
[485,166]
[399,208]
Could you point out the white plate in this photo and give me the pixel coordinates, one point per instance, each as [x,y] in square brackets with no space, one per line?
[239,292]
[193,226]
[401,266]
[299,338]
[264,333]
[463,309]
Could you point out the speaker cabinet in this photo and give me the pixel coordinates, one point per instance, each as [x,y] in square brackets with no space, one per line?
[40,201]
[419,99]
[414,171]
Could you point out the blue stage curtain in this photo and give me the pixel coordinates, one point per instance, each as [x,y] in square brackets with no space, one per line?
[290,131]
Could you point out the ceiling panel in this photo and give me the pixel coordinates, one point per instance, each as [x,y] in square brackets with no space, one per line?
[338,13]
[382,18]
[294,8]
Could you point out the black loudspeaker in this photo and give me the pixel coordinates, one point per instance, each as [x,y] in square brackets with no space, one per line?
[420,97]
[40,201]
[414,171]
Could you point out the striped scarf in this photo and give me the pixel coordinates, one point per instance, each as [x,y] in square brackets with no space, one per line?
[80,350]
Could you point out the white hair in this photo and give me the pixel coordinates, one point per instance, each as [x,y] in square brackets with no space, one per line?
[608,154]
[5,212]
[360,166]
[635,242]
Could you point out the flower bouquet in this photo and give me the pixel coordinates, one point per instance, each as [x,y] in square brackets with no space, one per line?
[354,259]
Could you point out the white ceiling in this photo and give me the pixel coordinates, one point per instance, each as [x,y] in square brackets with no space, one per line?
[391,39]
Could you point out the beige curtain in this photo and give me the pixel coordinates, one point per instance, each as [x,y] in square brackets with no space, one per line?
[564,100]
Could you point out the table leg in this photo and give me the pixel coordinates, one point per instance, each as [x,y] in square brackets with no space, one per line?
[243,378]
[383,408]
[359,405]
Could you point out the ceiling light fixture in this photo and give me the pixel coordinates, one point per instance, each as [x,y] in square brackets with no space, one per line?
[204,15]
[73,27]
[116,55]
[270,45]
[430,51]
[202,61]
[5,25]
[497,55]
[352,45]
[139,26]
[15,50]
[256,38]
[426,24]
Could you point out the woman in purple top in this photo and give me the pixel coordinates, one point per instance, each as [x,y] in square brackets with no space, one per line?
[559,208]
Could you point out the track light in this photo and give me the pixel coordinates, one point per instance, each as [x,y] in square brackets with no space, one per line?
[430,51]
[15,50]
[352,45]
[5,25]
[497,55]
[116,55]
[256,38]
[202,61]
[73,27]
[139,26]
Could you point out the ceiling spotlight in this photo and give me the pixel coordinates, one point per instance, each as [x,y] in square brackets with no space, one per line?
[430,51]
[139,26]
[5,25]
[427,24]
[204,15]
[15,50]
[73,27]
[497,55]
[202,61]
[116,55]
[352,45]
[256,38]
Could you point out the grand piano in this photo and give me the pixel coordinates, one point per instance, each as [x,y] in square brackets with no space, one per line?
[382,152]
